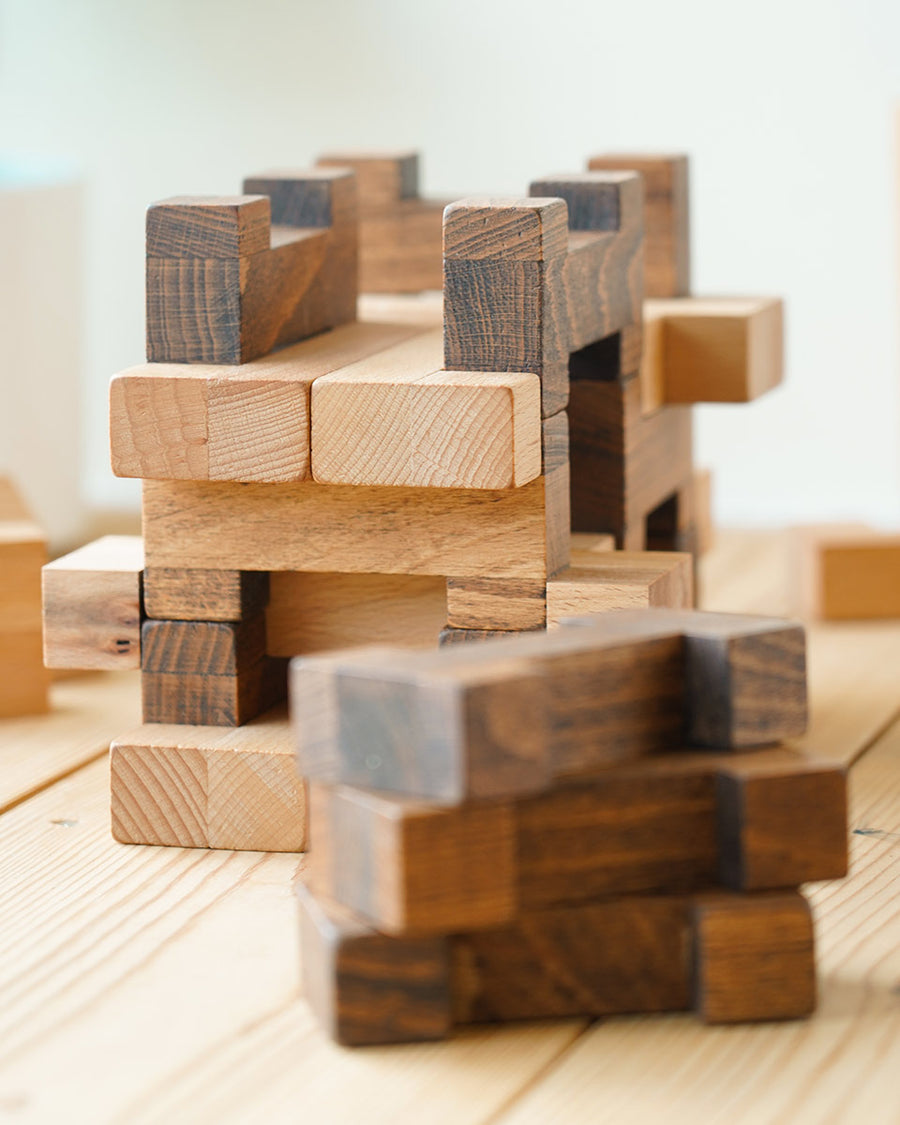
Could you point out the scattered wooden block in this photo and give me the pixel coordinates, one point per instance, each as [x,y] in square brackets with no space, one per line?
[624,464]
[92,605]
[396,419]
[172,421]
[23,551]
[667,249]
[209,787]
[180,594]
[755,958]
[671,823]
[607,958]
[399,232]
[846,572]
[224,287]
[715,349]
[596,582]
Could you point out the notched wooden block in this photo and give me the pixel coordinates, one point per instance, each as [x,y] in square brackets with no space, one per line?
[92,606]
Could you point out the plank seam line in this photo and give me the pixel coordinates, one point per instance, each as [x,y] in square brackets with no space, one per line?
[42,786]
[874,739]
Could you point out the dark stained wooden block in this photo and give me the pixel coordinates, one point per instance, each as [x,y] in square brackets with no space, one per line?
[210,648]
[452,635]
[504,307]
[208,227]
[366,988]
[173,594]
[754,957]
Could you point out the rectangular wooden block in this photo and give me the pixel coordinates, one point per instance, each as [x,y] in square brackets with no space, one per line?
[196,226]
[504,306]
[383,178]
[719,349]
[624,463]
[595,582]
[396,419]
[495,604]
[213,648]
[667,250]
[92,605]
[845,573]
[350,528]
[675,822]
[200,699]
[755,958]
[209,787]
[250,422]
[189,594]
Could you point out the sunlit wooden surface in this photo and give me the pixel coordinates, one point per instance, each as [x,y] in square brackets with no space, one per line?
[160,985]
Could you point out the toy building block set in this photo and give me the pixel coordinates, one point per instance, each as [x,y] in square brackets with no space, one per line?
[562,807]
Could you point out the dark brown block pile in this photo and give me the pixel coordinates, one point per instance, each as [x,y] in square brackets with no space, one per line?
[598,820]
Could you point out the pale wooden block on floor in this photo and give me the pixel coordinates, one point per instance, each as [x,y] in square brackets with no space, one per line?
[604,580]
[250,422]
[846,572]
[92,605]
[717,349]
[398,419]
[209,787]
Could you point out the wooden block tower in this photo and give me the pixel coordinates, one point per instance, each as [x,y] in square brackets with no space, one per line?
[313,480]
[577,823]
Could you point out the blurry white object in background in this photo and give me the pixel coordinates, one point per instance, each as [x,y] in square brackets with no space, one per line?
[41,326]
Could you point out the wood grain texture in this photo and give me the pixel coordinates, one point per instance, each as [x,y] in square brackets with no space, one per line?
[396,419]
[189,594]
[623,463]
[383,178]
[172,421]
[23,551]
[603,271]
[492,604]
[504,306]
[207,648]
[232,309]
[92,605]
[194,226]
[726,349]
[354,529]
[200,699]
[209,787]
[667,250]
[597,581]
[755,958]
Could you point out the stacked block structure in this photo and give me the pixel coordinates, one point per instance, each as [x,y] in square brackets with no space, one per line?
[588,822]
[314,480]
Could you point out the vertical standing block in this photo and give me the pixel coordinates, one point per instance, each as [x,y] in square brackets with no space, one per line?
[667,251]
[504,305]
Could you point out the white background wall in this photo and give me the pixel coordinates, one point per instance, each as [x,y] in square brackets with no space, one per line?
[785,107]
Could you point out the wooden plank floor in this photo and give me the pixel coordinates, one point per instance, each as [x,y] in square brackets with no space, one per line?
[161,985]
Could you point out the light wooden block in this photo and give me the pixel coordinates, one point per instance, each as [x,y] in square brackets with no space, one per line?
[92,605]
[846,572]
[599,581]
[396,419]
[209,787]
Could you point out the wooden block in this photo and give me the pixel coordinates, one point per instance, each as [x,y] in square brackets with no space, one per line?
[617,356]
[843,573]
[504,305]
[722,349]
[172,421]
[23,551]
[603,272]
[232,308]
[209,787]
[92,605]
[604,580]
[383,178]
[214,648]
[394,419]
[409,868]
[557,489]
[180,594]
[684,521]
[667,250]
[495,605]
[193,226]
[623,463]
[24,682]
[366,988]
[311,613]
[451,635]
[352,529]
[780,825]
[754,958]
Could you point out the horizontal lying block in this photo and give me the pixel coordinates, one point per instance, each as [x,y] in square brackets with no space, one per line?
[209,787]
[176,594]
[92,605]
[502,719]
[171,421]
[395,419]
[596,582]
[496,604]
[754,960]
[716,349]
[846,573]
[678,822]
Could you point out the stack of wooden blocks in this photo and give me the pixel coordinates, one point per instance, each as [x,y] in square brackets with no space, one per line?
[574,823]
[313,480]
